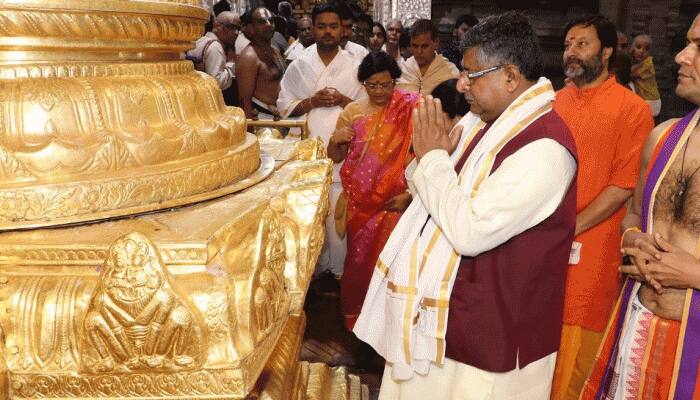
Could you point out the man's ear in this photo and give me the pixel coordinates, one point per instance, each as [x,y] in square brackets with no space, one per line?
[513,76]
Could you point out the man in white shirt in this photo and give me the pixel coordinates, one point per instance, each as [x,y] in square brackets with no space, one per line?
[425,69]
[306,39]
[466,299]
[319,83]
[209,53]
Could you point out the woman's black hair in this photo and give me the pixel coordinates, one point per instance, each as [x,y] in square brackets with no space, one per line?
[453,102]
[375,62]
[381,28]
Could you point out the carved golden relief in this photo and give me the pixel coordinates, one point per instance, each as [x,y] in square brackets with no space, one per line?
[135,319]
[235,279]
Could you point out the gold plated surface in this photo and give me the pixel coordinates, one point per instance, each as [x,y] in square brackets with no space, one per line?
[101,117]
[107,315]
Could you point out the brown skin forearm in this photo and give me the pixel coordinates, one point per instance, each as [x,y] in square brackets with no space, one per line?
[302,108]
[603,206]
[345,101]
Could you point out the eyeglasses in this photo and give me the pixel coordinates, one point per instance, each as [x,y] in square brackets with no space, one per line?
[376,86]
[233,27]
[473,75]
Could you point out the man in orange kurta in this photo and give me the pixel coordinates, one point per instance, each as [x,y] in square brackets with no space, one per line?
[609,124]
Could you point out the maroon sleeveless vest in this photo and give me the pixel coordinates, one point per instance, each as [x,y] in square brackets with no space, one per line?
[507,303]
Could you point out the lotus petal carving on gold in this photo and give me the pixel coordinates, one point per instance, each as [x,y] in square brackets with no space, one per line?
[100,117]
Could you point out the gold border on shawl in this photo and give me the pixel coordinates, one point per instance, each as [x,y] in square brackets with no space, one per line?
[442,311]
[429,249]
[652,200]
[488,164]
[383,269]
[434,303]
[529,96]
[407,290]
[477,127]
[407,315]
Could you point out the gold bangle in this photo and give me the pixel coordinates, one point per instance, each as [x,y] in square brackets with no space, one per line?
[633,229]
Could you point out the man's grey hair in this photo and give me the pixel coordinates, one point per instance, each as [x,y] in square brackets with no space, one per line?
[227,17]
[507,38]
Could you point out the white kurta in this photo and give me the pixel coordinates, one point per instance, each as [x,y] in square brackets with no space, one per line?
[294,50]
[357,51]
[303,78]
[214,60]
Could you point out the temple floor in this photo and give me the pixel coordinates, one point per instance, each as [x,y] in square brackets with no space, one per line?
[327,341]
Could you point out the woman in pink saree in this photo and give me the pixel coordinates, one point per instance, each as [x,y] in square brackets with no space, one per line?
[373,138]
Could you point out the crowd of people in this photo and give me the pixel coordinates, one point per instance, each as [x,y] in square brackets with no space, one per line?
[479,218]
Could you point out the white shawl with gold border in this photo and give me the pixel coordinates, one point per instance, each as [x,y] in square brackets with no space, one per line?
[404,316]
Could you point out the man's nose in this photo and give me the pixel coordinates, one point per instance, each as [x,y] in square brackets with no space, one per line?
[684,56]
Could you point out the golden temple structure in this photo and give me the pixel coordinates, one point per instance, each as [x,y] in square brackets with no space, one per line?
[148,248]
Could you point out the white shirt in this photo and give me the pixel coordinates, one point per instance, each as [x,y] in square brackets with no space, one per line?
[214,60]
[525,189]
[294,50]
[357,51]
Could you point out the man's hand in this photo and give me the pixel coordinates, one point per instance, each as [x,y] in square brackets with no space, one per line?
[431,128]
[676,267]
[399,202]
[343,135]
[643,251]
[320,99]
[335,97]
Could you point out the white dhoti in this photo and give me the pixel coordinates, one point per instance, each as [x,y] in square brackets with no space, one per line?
[334,248]
[457,381]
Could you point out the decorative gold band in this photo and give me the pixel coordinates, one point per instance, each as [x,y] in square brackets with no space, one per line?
[211,175]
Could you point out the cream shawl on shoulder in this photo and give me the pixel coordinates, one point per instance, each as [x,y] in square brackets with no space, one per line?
[440,70]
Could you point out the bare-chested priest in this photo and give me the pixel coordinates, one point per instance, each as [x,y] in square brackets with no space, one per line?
[652,344]
[260,68]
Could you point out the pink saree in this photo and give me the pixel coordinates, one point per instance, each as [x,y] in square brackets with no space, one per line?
[373,173]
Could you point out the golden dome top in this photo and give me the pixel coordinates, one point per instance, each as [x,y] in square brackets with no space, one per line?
[100,116]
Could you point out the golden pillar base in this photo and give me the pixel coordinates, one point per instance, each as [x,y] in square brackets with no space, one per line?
[102,120]
[188,303]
